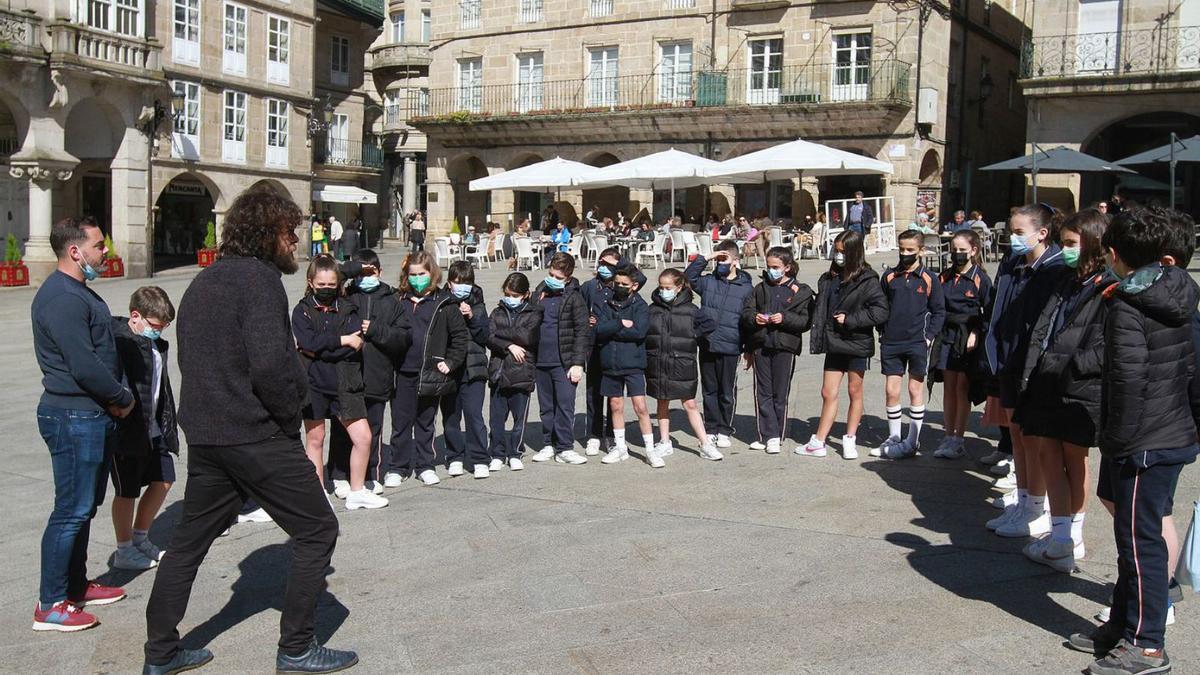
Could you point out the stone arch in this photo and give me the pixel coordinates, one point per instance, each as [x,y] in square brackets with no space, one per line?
[14,124]
[1126,136]
[94,130]
[611,200]
[183,207]
[460,171]
[930,174]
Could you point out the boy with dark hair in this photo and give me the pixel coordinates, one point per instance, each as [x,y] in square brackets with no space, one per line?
[918,312]
[621,325]
[563,349]
[1147,433]
[722,294]
[148,438]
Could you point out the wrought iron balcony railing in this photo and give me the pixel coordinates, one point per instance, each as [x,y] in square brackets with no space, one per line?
[1129,52]
[342,152]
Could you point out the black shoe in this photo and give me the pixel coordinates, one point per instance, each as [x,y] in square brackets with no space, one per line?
[1099,642]
[185,659]
[1125,659]
[315,659]
[1174,593]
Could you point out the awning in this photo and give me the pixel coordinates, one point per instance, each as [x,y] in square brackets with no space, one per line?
[341,194]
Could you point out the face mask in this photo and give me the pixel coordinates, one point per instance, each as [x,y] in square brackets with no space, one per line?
[1071,257]
[555,284]
[960,258]
[667,294]
[152,333]
[605,272]
[512,303]
[907,259]
[1020,245]
[461,291]
[325,295]
[620,293]
[774,274]
[368,284]
[839,259]
[89,273]
[418,282]
[723,269]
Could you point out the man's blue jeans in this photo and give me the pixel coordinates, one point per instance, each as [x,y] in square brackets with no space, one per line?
[80,449]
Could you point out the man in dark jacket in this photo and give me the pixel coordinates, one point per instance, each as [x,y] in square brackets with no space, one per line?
[859,216]
[722,296]
[240,402]
[563,347]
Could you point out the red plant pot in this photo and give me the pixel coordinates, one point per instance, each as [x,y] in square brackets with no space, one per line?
[206,256]
[14,274]
[113,267]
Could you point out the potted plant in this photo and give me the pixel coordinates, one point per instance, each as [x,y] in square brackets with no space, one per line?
[206,255]
[13,271]
[113,265]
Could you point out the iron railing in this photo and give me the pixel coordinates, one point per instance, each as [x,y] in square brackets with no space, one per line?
[1129,52]
[800,84]
[469,12]
[600,7]
[343,152]
[531,11]
[8,145]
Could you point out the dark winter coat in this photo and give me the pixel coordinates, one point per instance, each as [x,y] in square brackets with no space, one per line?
[479,327]
[137,364]
[1149,361]
[1061,378]
[445,342]
[332,369]
[862,300]
[722,300]
[574,329]
[1021,292]
[386,339]
[514,327]
[797,318]
[622,350]
[672,340]
[966,297]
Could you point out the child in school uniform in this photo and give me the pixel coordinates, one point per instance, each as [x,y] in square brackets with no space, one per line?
[621,325]
[514,332]
[775,318]
[148,437]
[676,325]
[564,344]
[466,404]
[915,319]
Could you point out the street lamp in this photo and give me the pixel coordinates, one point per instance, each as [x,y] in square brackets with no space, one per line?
[320,116]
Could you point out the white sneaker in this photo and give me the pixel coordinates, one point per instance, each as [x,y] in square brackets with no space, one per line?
[481,471]
[881,451]
[1002,468]
[654,459]
[814,448]
[544,455]
[723,441]
[392,480]
[758,445]
[341,488]
[515,463]
[496,464]
[149,550]
[455,469]
[1010,512]
[365,499]
[429,477]
[375,487]
[1102,615]
[772,446]
[1005,500]
[619,453]
[570,457]
[130,558]
[1008,482]
[1026,524]
[994,458]
[593,447]
[849,447]
[256,516]
[710,452]
[664,448]
[1052,553]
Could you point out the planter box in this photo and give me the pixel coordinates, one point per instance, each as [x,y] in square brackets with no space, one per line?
[113,267]
[14,274]
[206,256]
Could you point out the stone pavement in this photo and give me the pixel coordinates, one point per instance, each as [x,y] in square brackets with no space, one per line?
[754,564]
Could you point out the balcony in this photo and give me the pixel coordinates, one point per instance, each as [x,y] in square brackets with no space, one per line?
[1149,58]
[371,11]
[74,45]
[400,56]
[21,34]
[339,152]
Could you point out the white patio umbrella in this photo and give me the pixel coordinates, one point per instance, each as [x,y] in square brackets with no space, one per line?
[793,159]
[669,169]
[549,176]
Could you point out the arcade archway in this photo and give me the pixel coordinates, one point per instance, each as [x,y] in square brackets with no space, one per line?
[1152,184]
[182,213]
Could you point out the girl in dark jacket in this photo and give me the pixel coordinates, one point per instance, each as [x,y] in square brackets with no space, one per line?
[467,402]
[329,336]
[1059,410]
[850,304]
[515,326]
[428,371]
[774,320]
[672,340]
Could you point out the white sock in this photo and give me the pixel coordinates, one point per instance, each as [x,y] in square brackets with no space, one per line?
[139,536]
[619,437]
[916,416]
[648,441]
[1037,504]
[1077,527]
[124,544]
[893,415]
[1060,528]
[1022,497]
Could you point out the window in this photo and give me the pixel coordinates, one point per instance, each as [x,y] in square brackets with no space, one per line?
[470,84]
[529,82]
[278,44]
[129,16]
[531,11]
[421,105]
[675,72]
[397,27]
[233,56]
[600,7]
[851,66]
[1096,41]
[602,76]
[339,61]
[426,26]
[680,4]
[233,142]
[119,16]
[766,71]
[185,48]
[339,139]
[277,132]
[185,137]
[393,112]
[468,13]
[99,14]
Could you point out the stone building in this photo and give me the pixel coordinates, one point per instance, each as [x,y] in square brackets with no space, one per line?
[601,81]
[1113,78]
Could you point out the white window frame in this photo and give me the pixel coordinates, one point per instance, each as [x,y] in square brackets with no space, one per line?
[765,64]
[1098,36]
[600,7]
[233,126]
[674,75]
[530,78]
[529,11]
[279,45]
[426,26]
[185,131]
[469,13]
[852,78]
[337,139]
[278,126]
[392,108]
[339,60]
[396,27]
[233,47]
[469,81]
[186,50]
[122,17]
[603,78]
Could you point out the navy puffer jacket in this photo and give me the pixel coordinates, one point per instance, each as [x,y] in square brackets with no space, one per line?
[722,300]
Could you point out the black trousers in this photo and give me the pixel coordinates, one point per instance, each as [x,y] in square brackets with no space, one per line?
[276,474]
[338,465]
[772,381]
[718,379]
[506,402]
[413,425]
[470,447]
[556,401]
[599,421]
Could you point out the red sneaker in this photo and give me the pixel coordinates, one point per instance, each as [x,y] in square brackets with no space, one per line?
[64,617]
[99,595]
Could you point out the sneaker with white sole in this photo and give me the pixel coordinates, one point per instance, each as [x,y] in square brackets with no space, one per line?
[481,471]
[710,452]
[1052,553]
[618,453]
[1010,512]
[665,448]
[1002,468]
[365,499]
[570,457]
[1026,524]
[814,448]
[392,479]
[130,558]
[654,459]
[882,449]
[149,550]
[1008,482]
[994,458]
[341,488]
[429,477]
[758,445]
[455,469]
[849,447]
[772,446]
[515,464]
[1004,500]
[592,448]
[256,516]
[724,441]
[544,455]
[374,486]
[496,464]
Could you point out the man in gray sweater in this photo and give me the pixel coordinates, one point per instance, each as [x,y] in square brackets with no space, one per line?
[241,395]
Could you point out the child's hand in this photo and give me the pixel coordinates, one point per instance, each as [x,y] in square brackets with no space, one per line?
[840,318]
[776,318]
[627,323]
[443,368]
[119,412]
[465,309]
[354,342]
[366,326]
[760,319]
[971,341]
[518,353]
[592,320]
[575,374]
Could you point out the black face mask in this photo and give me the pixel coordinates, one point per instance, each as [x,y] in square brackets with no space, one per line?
[620,293]
[907,260]
[325,295]
[960,258]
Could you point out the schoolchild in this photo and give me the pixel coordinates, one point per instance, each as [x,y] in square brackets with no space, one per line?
[621,325]
[512,370]
[564,344]
[469,446]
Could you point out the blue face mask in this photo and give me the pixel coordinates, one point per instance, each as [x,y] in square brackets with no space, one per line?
[461,291]
[605,272]
[774,274]
[89,273]
[667,294]
[1020,245]
[368,284]
[151,333]
[555,284]
[512,303]
[722,270]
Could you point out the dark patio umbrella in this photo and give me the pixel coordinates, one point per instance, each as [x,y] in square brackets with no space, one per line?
[1056,160]
[1178,150]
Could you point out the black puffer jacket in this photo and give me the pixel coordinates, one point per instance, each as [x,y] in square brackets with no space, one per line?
[862,300]
[476,368]
[1061,382]
[797,318]
[387,338]
[508,327]
[446,342]
[672,340]
[137,364]
[574,329]
[1149,361]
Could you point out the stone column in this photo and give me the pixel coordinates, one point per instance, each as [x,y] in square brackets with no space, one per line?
[130,230]
[409,193]
[39,257]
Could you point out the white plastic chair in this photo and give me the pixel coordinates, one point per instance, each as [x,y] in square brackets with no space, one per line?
[599,243]
[652,250]
[933,251]
[691,245]
[705,246]
[677,244]
[523,248]
[498,249]
[775,236]
[478,253]
[574,246]
[441,247]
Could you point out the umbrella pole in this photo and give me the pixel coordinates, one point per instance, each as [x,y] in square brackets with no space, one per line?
[1034,173]
[672,214]
[1174,138]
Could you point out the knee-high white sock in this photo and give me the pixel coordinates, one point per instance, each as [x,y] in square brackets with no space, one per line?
[916,416]
[893,415]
